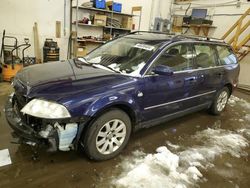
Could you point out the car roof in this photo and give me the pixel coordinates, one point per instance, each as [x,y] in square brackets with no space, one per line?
[165,37]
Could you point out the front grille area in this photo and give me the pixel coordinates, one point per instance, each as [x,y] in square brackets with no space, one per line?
[20,101]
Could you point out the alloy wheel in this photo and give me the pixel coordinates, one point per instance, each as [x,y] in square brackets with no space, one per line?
[111,136]
[222,100]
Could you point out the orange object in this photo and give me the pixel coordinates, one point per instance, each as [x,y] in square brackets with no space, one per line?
[9,73]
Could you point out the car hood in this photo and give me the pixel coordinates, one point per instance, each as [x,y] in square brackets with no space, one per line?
[56,80]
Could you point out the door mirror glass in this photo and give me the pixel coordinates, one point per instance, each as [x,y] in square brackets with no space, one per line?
[162,70]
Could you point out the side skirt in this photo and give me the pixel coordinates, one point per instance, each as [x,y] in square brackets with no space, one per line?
[175,115]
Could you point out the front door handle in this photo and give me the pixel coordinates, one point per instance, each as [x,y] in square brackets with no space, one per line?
[191,79]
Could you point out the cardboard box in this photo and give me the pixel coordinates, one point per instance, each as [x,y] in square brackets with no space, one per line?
[127,22]
[100,20]
[178,21]
[81,51]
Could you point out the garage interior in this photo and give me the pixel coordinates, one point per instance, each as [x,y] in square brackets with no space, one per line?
[44,31]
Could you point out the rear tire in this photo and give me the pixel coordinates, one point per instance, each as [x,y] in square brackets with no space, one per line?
[220,101]
[107,135]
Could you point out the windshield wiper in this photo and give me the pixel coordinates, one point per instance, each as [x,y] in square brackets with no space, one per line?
[117,71]
[113,69]
[84,60]
[78,63]
[100,66]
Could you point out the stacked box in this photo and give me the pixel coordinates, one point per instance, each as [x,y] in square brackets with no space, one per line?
[100,4]
[127,23]
[100,20]
[116,7]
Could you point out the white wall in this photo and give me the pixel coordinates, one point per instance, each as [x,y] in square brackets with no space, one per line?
[18,17]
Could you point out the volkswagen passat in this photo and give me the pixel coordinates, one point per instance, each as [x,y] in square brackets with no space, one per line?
[135,81]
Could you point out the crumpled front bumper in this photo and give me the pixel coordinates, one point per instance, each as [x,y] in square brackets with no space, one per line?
[24,132]
[56,134]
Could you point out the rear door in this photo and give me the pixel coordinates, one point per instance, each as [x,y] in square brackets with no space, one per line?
[209,73]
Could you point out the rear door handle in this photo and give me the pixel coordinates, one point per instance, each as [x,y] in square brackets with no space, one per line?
[219,74]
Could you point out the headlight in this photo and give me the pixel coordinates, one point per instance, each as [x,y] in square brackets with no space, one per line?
[45,109]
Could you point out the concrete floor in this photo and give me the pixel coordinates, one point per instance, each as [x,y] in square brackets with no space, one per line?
[69,169]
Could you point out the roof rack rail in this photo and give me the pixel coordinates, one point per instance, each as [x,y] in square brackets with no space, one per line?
[199,38]
[157,32]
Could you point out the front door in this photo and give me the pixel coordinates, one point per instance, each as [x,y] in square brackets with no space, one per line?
[165,95]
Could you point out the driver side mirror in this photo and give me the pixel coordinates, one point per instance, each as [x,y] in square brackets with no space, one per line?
[163,70]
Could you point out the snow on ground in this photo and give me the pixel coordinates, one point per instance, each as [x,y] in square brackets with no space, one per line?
[180,169]
[233,100]
[171,167]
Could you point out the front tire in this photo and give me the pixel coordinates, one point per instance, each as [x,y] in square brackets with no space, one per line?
[107,135]
[220,101]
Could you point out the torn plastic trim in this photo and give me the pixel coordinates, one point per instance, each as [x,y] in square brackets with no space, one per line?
[60,136]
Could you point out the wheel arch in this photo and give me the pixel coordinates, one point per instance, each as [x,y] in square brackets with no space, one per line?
[230,87]
[128,109]
[121,106]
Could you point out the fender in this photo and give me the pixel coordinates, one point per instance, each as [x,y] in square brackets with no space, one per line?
[109,101]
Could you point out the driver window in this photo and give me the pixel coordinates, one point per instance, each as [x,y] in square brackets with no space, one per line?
[178,58]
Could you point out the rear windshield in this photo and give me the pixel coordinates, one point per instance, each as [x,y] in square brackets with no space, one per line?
[226,55]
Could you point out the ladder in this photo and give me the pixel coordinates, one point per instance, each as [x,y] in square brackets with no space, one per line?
[236,37]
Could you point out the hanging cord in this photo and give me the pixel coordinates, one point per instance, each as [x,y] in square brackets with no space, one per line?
[186,15]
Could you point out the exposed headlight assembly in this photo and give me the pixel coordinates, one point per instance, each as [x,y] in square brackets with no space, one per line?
[45,109]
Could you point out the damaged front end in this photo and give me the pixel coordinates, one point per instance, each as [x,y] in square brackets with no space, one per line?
[56,134]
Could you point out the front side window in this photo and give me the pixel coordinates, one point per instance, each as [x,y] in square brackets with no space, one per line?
[226,56]
[125,55]
[204,56]
[178,57]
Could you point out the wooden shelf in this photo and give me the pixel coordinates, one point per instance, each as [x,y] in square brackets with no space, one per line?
[90,43]
[87,25]
[103,10]
[107,27]
[200,25]
[197,28]
[90,40]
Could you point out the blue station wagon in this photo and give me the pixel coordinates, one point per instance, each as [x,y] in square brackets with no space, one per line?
[132,82]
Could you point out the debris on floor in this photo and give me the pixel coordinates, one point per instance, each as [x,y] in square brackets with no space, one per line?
[5,157]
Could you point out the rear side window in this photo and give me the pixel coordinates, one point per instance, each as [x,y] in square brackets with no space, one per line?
[204,56]
[226,56]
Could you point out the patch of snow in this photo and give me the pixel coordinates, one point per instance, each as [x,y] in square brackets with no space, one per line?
[247,117]
[229,165]
[233,100]
[245,132]
[172,145]
[241,120]
[180,169]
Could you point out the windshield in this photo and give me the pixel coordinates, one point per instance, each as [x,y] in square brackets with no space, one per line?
[124,55]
